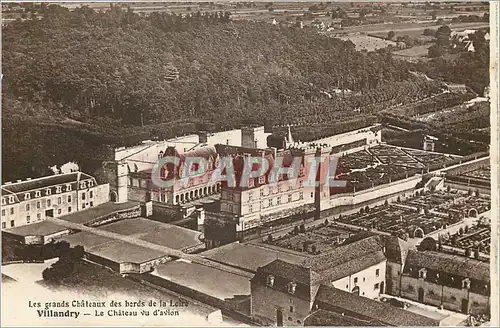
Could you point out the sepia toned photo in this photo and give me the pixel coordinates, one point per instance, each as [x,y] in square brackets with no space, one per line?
[249,163]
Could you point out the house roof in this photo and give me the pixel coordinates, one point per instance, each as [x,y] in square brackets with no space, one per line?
[368,308]
[288,271]
[360,254]
[450,264]
[396,249]
[353,266]
[44,182]
[328,318]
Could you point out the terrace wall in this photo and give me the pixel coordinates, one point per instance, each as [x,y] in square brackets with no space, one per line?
[469,166]
[350,199]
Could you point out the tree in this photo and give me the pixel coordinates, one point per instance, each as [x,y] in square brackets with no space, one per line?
[468,252]
[435,51]
[461,231]
[429,32]
[398,199]
[469,192]
[466,230]
[440,244]
[434,15]
[386,203]
[476,254]
[270,238]
[443,35]
[454,240]
[428,244]
[440,21]
[448,189]
[361,211]
[390,35]
[295,230]
[326,222]
[313,249]
[302,228]
[477,192]
[367,209]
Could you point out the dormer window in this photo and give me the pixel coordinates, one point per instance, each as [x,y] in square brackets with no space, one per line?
[91,183]
[270,281]
[68,187]
[58,189]
[422,273]
[37,193]
[27,196]
[82,185]
[466,283]
[4,201]
[11,200]
[291,287]
[48,192]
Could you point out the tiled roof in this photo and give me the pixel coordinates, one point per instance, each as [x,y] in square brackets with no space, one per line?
[288,270]
[353,266]
[450,264]
[45,182]
[328,318]
[396,249]
[339,300]
[361,251]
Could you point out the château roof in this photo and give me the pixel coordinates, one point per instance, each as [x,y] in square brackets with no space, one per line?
[450,264]
[44,182]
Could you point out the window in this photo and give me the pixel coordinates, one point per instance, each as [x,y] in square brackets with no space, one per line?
[83,185]
[48,192]
[410,288]
[28,219]
[453,299]
[290,198]
[376,286]
[279,200]
[270,202]
[69,209]
[58,189]
[27,207]
[3,212]
[291,308]
[4,225]
[262,179]
[11,200]
[48,202]
[377,272]
[312,194]
[68,187]
[12,210]
[91,183]
[91,194]
[11,223]
[290,301]
[250,208]
[291,287]
[250,196]
[59,211]
[270,281]
[59,200]
[91,204]
[3,201]
[230,207]
[364,279]
[69,199]
[39,216]
[261,192]
[38,205]
[83,206]
[356,280]
[301,195]
[27,196]
[37,193]
[301,184]
[83,196]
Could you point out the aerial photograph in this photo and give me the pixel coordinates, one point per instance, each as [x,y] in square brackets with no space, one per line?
[248,163]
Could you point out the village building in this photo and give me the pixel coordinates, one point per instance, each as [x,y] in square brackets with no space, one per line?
[338,286]
[34,200]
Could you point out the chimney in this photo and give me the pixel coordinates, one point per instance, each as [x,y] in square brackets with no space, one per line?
[19,180]
[227,141]
[28,179]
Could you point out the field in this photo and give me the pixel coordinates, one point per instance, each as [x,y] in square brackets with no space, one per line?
[413,54]
[368,43]
[477,237]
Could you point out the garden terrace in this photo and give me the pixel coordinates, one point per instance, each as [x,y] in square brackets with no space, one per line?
[395,219]
[481,173]
[394,156]
[477,237]
[313,240]
[428,158]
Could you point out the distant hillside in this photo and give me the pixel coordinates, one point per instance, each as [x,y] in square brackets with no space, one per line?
[79,82]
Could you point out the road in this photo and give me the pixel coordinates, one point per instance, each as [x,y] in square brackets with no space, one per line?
[196,258]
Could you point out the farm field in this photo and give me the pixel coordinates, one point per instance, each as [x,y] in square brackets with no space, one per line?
[413,54]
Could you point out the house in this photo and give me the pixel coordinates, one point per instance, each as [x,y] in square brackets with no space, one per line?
[336,288]
[34,200]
